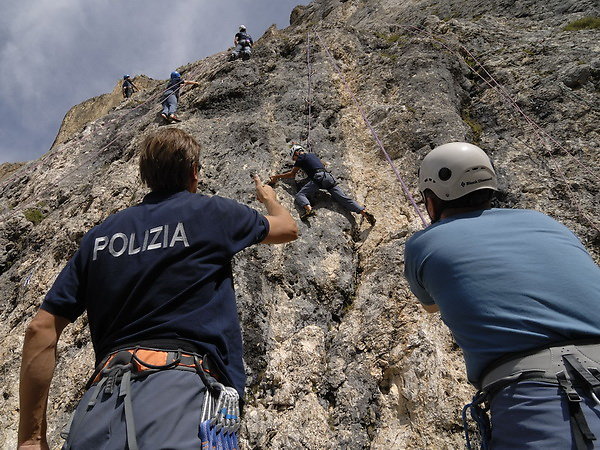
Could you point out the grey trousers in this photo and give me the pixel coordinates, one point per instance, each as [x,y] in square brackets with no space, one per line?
[326,179]
[242,49]
[169,105]
[166,408]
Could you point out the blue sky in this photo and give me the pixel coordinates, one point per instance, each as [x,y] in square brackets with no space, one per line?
[55,54]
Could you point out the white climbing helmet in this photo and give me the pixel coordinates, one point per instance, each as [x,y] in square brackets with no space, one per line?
[242,27]
[456,169]
[295,148]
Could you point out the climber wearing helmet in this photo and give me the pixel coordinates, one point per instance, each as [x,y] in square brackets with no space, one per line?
[156,282]
[243,44]
[520,294]
[171,96]
[320,178]
[128,88]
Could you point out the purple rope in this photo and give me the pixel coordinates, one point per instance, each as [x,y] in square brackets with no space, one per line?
[308,97]
[375,136]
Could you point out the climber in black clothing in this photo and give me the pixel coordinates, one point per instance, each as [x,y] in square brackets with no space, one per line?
[243,44]
[128,87]
[320,178]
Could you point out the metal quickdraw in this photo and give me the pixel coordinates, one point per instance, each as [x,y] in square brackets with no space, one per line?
[220,419]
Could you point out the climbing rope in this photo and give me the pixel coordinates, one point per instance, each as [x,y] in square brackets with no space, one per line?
[87,160]
[373,133]
[308,96]
[537,129]
[498,87]
[17,173]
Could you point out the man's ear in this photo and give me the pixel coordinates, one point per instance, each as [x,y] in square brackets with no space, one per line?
[431,206]
[194,178]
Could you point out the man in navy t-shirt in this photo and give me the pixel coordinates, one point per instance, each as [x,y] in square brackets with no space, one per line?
[156,282]
[320,178]
[521,296]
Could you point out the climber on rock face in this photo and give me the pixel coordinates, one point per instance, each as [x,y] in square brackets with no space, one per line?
[128,88]
[243,44]
[156,282]
[521,296]
[320,178]
[171,96]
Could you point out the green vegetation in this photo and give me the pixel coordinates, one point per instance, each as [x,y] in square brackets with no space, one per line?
[391,38]
[476,127]
[34,215]
[586,23]
[389,55]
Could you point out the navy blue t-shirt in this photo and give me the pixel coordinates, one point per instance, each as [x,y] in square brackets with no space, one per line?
[309,163]
[241,36]
[162,270]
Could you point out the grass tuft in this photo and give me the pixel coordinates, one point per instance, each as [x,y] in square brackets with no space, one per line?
[586,23]
[34,215]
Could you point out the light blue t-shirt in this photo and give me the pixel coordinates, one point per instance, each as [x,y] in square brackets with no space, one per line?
[505,281]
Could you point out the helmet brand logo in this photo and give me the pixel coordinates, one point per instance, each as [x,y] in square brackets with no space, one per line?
[469,183]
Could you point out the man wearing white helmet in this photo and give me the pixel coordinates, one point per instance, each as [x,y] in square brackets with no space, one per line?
[243,43]
[320,178]
[521,296]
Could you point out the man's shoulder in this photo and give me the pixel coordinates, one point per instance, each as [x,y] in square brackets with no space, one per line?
[220,205]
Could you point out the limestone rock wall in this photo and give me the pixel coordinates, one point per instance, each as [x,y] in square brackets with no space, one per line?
[337,351]
[94,108]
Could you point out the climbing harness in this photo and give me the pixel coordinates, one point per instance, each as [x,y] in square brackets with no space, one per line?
[373,133]
[117,371]
[566,365]
[324,179]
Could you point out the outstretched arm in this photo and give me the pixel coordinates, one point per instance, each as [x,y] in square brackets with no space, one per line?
[291,174]
[37,369]
[282,227]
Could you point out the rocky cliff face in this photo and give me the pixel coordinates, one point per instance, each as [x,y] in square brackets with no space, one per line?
[338,353]
[95,108]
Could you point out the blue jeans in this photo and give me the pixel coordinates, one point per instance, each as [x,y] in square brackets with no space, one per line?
[169,105]
[535,415]
[324,181]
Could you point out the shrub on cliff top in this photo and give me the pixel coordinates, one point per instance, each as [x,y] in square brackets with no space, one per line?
[586,23]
